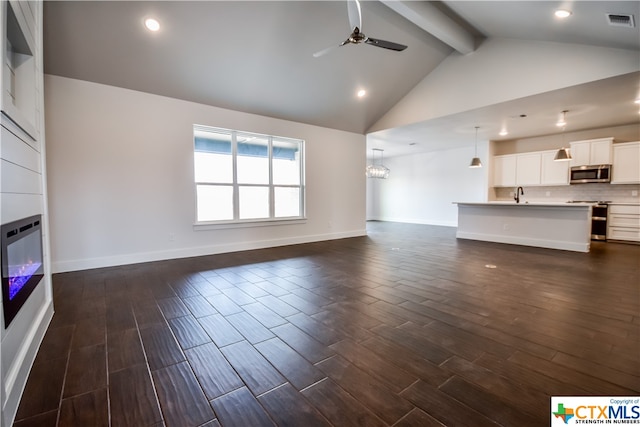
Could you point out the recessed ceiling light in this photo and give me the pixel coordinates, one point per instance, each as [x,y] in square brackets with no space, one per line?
[152,24]
[637,101]
[503,132]
[562,13]
[361,93]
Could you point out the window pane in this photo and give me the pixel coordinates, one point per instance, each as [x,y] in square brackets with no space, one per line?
[212,156]
[215,202]
[253,159]
[212,167]
[287,201]
[254,202]
[286,162]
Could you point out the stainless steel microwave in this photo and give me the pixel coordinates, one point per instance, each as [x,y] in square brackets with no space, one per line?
[589,174]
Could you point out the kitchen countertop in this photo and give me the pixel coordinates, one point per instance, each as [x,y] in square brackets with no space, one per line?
[525,203]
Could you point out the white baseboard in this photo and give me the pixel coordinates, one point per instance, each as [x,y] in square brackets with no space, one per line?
[416,221]
[525,241]
[134,258]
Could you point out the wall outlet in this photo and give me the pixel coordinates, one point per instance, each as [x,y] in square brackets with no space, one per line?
[505,227]
[172,237]
[634,193]
[548,193]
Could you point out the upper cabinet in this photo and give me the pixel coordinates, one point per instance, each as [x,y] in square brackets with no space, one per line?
[626,163]
[591,152]
[553,172]
[504,171]
[528,169]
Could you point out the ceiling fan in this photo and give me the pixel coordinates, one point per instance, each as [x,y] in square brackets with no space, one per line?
[356,37]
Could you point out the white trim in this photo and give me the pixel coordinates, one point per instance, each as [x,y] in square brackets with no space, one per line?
[23,362]
[133,258]
[415,221]
[525,241]
[221,225]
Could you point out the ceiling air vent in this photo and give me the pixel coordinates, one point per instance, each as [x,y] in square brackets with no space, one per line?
[620,20]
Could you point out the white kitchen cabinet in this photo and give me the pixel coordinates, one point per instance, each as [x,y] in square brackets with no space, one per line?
[624,222]
[528,168]
[626,163]
[591,152]
[504,171]
[553,172]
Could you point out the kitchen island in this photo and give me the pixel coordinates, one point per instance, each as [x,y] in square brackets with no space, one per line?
[557,225]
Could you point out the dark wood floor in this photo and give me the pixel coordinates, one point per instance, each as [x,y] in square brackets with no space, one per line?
[405,327]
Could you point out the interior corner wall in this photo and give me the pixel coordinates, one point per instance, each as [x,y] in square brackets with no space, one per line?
[501,70]
[120,178]
[422,188]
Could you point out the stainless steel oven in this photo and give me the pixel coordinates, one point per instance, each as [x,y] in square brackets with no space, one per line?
[599,212]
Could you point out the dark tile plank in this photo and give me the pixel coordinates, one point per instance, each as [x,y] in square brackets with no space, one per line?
[89,409]
[240,409]
[415,342]
[238,296]
[395,378]
[182,401]
[288,408]
[367,390]
[444,408]
[294,367]
[48,419]
[223,304]
[418,418]
[316,329]
[490,405]
[147,313]
[221,332]
[160,346]
[199,306]
[339,407]
[249,327]
[278,306]
[133,399]
[87,370]
[119,318]
[56,343]
[409,361]
[173,307]
[188,332]
[89,331]
[124,349]
[44,388]
[264,315]
[308,347]
[213,371]
[259,375]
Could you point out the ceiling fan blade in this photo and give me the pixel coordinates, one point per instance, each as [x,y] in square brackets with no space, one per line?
[329,49]
[324,51]
[355,14]
[385,44]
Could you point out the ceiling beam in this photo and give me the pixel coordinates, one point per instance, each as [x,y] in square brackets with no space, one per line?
[435,22]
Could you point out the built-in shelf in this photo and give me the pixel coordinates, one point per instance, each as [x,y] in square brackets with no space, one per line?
[19,67]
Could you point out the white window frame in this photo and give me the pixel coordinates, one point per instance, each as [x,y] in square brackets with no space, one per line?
[237,221]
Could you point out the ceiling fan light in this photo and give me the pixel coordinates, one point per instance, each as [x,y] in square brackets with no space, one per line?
[562,13]
[562,155]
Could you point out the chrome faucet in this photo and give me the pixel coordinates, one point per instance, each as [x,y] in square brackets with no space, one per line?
[516,195]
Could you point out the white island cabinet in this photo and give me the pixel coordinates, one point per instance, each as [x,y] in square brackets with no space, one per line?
[564,226]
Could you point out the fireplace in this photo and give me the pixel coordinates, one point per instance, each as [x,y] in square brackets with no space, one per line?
[22,267]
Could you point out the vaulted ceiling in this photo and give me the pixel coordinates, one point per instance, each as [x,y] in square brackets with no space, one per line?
[257,56]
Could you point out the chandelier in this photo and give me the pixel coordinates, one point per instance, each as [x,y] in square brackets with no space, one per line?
[377,170]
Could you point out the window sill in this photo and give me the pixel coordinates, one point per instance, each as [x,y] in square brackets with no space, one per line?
[221,225]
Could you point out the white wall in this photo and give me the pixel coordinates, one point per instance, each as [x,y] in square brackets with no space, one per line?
[501,70]
[120,176]
[421,188]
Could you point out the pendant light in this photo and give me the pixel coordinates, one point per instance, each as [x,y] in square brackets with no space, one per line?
[475,162]
[377,170]
[563,154]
